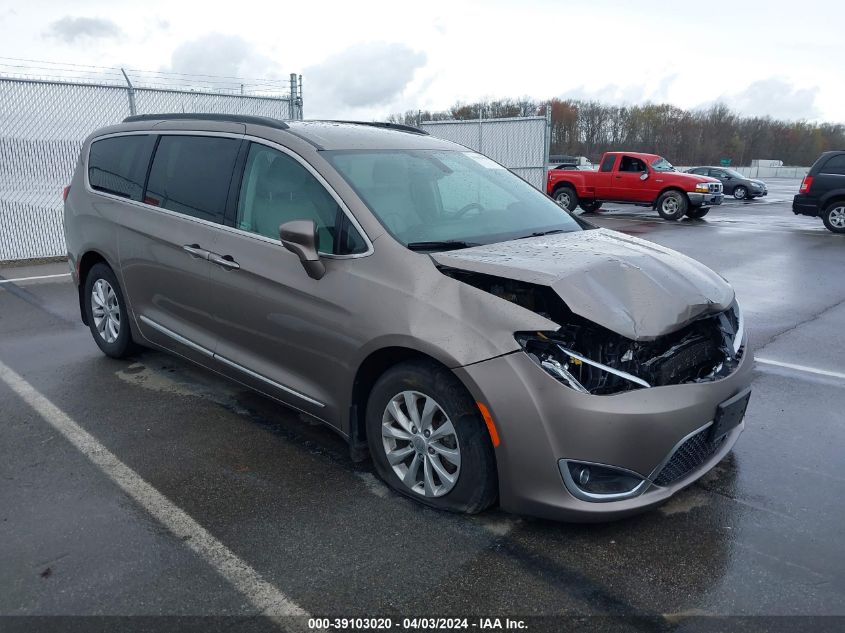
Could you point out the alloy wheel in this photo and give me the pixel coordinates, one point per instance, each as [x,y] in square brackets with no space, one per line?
[563,198]
[836,217]
[670,205]
[421,444]
[105,310]
[740,193]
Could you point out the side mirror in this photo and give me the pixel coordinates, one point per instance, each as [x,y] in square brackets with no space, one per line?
[644,175]
[300,237]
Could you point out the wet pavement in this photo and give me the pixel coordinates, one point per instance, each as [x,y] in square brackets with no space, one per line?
[759,535]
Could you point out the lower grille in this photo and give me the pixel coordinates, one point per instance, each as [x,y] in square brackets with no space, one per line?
[689,456]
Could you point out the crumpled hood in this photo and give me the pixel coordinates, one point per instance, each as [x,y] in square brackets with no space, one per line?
[632,287]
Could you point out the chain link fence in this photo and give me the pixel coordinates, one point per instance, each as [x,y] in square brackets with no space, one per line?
[520,144]
[42,127]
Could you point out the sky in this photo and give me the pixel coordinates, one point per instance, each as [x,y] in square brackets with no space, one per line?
[365,60]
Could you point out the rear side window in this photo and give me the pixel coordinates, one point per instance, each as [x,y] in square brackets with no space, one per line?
[118,165]
[834,165]
[191,175]
[607,163]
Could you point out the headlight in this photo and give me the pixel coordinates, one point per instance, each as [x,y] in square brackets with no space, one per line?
[702,187]
[576,370]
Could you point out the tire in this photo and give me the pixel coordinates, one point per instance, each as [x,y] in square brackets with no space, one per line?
[475,485]
[109,325]
[698,212]
[834,217]
[567,198]
[740,192]
[590,207]
[672,205]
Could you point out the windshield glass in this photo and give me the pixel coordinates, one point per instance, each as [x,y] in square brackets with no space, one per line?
[735,174]
[661,164]
[427,197]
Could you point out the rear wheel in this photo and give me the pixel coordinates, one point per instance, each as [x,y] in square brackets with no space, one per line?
[427,439]
[106,312]
[834,217]
[590,207]
[567,198]
[740,192]
[698,212]
[672,205]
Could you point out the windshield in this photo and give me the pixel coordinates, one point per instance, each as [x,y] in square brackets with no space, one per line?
[735,174]
[436,199]
[661,164]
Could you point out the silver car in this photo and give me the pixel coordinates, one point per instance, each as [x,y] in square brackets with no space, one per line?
[442,315]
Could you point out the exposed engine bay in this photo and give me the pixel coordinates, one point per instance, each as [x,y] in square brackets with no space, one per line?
[592,359]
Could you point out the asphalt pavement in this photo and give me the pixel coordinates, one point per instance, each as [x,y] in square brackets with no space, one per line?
[150,487]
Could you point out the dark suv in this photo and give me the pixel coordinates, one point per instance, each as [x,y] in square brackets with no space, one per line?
[822,191]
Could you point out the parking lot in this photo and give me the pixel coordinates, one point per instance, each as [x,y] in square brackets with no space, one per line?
[186,495]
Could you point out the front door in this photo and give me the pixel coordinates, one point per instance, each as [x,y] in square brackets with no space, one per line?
[280,331]
[627,182]
[164,242]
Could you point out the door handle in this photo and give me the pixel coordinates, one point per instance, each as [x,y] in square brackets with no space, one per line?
[194,250]
[619,176]
[226,261]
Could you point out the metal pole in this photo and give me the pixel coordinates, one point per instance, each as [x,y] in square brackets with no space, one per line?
[130,92]
[299,99]
[548,139]
[480,139]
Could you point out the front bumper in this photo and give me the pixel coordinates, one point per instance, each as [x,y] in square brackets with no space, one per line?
[705,199]
[541,422]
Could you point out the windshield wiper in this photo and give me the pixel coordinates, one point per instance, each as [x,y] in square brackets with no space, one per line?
[440,245]
[541,233]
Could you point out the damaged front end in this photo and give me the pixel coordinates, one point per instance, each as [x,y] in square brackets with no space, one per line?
[592,359]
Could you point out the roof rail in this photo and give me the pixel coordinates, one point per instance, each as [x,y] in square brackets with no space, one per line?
[399,127]
[206,116]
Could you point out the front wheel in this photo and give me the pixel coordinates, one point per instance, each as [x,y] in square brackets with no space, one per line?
[590,207]
[834,217]
[106,312]
[427,439]
[567,198]
[672,205]
[698,212]
[740,193]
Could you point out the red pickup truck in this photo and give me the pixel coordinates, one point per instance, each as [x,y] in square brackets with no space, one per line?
[646,180]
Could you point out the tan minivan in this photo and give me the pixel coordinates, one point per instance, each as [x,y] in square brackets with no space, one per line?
[433,308]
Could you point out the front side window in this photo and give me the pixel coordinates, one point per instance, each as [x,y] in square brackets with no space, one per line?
[629,163]
[118,165]
[191,175]
[426,198]
[277,189]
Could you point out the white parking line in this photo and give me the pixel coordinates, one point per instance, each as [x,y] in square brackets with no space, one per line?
[264,596]
[14,281]
[804,368]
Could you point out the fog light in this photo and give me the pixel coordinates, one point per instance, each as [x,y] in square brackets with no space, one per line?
[596,482]
[584,476]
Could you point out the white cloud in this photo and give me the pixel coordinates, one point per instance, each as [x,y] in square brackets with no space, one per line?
[773,97]
[363,75]
[70,29]
[222,56]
